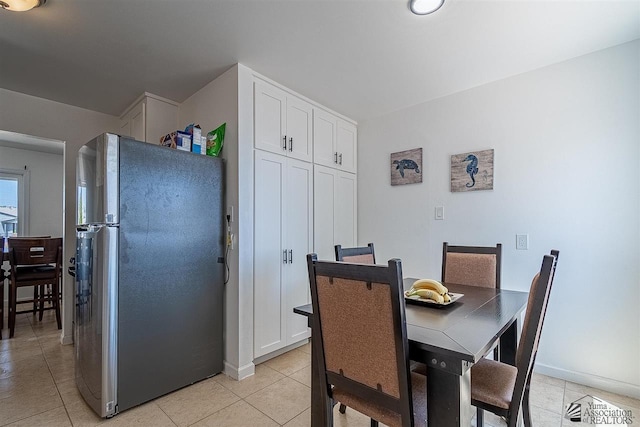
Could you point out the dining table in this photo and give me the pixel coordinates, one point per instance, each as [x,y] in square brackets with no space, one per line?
[448,339]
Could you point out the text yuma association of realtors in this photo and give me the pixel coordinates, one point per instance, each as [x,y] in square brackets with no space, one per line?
[601,413]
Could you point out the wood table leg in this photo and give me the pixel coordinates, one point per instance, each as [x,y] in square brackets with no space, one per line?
[448,398]
[1,302]
[509,344]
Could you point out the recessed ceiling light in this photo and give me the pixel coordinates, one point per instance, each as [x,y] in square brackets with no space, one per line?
[20,5]
[425,7]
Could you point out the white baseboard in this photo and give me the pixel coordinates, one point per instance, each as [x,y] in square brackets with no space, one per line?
[249,369]
[261,359]
[66,339]
[240,373]
[607,384]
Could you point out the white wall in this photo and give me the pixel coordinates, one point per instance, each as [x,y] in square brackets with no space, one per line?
[567,144]
[48,119]
[46,171]
[217,103]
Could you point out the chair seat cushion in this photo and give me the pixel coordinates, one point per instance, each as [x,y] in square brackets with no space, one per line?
[493,383]
[384,415]
[42,272]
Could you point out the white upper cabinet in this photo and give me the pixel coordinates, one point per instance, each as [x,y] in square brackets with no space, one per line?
[282,122]
[149,118]
[269,120]
[334,141]
[324,138]
[346,146]
[132,123]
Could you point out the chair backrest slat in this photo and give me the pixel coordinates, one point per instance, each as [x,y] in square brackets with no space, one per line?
[358,255]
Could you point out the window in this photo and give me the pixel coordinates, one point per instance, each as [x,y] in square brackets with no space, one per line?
[14,201]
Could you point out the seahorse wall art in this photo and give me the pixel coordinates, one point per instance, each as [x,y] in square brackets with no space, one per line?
[472,171]
[406,167]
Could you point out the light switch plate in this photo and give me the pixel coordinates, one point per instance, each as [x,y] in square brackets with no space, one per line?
[439,212]
[522,242]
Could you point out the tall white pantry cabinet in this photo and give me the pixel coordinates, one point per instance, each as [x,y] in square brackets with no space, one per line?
[301,205]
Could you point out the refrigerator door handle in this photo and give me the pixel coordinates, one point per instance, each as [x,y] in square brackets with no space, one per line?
[110,322]
[96,315]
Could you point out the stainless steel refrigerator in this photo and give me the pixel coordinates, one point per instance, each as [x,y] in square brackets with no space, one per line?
[149,271]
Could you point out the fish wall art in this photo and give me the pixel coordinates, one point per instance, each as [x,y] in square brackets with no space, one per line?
[472,171]
[406,167]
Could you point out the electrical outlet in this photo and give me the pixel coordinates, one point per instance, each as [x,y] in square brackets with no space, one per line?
[522,242]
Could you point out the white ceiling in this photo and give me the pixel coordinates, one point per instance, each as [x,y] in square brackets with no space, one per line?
[362,58]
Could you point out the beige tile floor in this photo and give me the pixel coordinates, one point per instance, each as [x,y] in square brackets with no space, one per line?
[37,389]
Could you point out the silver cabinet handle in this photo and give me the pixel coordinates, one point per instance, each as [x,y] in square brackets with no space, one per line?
[290,256]
[335,157]
[284,256]
[291,144]
[284,143]
[340,158]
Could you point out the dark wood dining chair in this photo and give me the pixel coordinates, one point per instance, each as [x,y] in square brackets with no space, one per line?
[501,388]
[359,255]
[360,341]
[473,266]
[3,276]
[34,262]
[37,290]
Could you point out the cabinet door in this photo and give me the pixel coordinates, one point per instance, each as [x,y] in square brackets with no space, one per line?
[346,146]
[298,225]
[125,127]
[324,138]
[137,122]
[269,313]
[269,117]
[298,129]
[161,119]
[324,186]
[346,213]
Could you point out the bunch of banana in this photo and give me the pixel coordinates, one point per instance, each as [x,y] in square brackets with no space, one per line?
[429,289]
